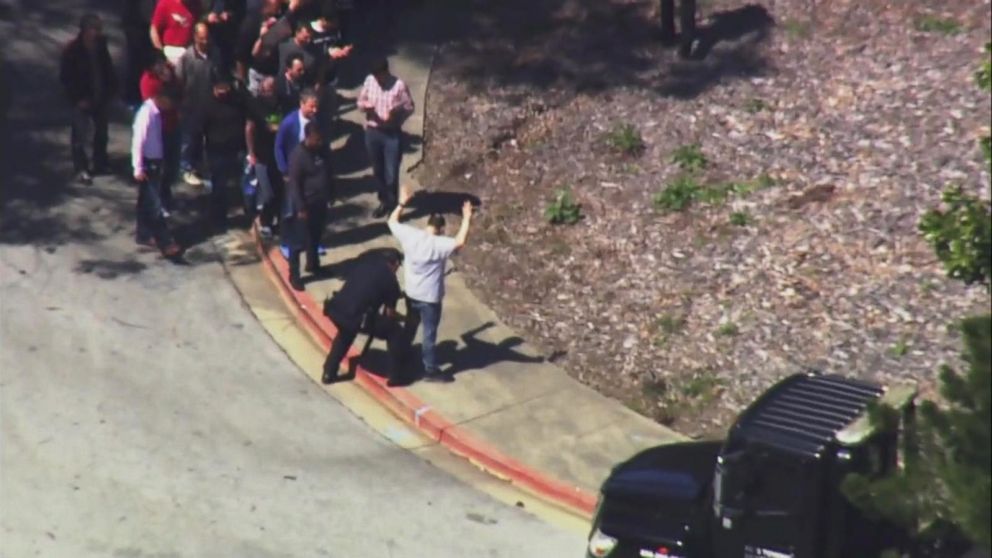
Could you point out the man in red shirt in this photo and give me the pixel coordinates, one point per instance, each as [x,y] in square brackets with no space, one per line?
[172,26]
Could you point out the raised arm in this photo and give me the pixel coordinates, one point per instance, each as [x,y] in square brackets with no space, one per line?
[462,237]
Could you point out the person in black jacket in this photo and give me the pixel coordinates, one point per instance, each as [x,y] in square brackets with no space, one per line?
[308,193]
[90,83]
[224,132]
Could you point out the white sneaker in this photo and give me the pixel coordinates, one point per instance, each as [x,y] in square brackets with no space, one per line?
[189,177]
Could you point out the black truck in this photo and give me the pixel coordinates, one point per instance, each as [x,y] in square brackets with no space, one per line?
[770,490]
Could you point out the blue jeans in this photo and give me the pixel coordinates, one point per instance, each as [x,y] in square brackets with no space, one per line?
[150,223]
[384,153]
[430,314]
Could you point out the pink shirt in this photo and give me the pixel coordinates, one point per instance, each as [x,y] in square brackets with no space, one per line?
[384,101]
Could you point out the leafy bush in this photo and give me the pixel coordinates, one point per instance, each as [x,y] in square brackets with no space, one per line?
[934,24]
[690,158]
[625,139]
[755,105]
[961,236]
[678,195]
[741,219]
[563,210]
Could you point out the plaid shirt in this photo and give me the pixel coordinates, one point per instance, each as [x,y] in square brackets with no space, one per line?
[385,102]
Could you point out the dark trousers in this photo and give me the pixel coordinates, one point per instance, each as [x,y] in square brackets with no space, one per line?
[687,21]
[89,126]
[225,170]
[269,194]
[306,237]
[384,153]
[376,326]
[149,221]
[170,170]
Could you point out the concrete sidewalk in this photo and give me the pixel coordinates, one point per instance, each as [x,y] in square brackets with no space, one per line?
[508,410]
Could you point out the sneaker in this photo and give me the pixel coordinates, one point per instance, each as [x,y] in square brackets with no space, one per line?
[190,177]
[166,214]
[265,232]
[84,177]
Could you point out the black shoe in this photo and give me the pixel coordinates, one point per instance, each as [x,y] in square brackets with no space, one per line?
[328,377]
[297,284]
[439,377]
[398,382]
[380,212]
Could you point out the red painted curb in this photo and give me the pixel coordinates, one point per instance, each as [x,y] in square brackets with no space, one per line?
[412,409]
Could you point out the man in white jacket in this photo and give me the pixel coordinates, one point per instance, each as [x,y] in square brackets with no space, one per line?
[147,151]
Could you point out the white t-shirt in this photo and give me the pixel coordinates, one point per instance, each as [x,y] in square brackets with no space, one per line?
[425,256]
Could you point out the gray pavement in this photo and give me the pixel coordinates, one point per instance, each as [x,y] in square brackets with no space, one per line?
[144,412]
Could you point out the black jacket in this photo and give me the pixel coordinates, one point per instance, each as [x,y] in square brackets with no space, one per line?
[309,177]
[76,72]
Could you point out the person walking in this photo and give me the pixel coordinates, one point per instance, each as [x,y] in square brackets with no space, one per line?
[171,28]
[89,81]
[368,297]
[196,69]
[161,77]
[147,152]
[426,252]
[308,193]
[224,130]
[387,103]
[264,117]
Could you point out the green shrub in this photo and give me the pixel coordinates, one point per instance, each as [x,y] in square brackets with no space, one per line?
[741,219]
[934,24]
[690,158]
[625,139]
[961,236]
[728,329]
[678,195]
[563,210]
[755,105]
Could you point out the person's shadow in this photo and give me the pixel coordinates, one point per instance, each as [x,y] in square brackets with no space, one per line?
[478,354]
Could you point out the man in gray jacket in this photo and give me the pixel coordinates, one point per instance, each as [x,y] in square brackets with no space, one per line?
[196,68]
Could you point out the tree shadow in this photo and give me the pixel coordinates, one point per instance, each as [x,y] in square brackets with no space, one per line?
[478,354]
[109,269]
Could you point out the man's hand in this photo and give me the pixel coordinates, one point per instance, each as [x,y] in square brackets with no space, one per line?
[467,209]
[301,214]
[213,18]
[251,159]
[140,176]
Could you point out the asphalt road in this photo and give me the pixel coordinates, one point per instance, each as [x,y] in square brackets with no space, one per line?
[144,413]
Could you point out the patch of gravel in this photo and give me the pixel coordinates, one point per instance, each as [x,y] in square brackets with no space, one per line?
[858,119]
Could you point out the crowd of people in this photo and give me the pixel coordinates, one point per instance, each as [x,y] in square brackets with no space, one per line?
[241,96]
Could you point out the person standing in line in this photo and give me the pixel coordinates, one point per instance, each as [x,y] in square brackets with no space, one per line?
[171,29]
[89,80]
[329,50]
[426,252]
[387,103]
[224,130]
[196,69]
[161,77]
[368,296]
[247,66]
[260,139]
[308,193]
[290,83]
[291,128]
[147,152]
[299,44]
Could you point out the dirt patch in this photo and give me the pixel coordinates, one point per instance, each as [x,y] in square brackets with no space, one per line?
[744,215]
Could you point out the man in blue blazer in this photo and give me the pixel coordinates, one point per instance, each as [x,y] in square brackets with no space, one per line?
[290,132]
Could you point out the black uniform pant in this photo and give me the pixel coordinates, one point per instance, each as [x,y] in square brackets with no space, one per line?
[305,236]
[375,325]
[687,21]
